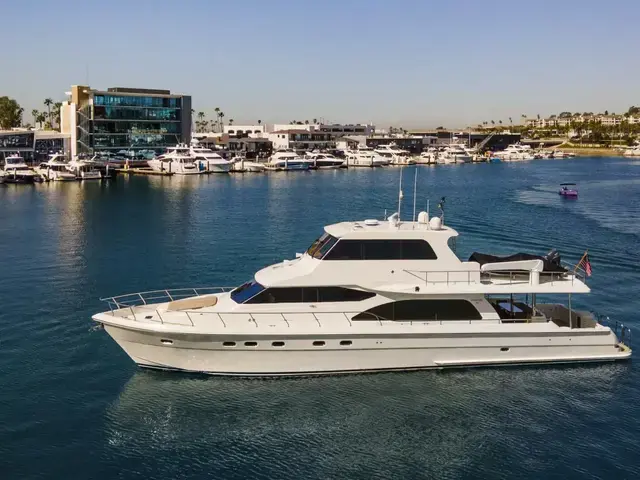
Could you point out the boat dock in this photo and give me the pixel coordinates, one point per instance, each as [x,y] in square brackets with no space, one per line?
[143,171]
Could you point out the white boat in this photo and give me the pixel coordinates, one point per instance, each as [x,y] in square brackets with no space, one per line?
[396,155]
[84,169]
[17,171]
[428,157]
[56,169]
[455,153]
[208,159]
[287,160]
[240,164]
[368,296]
[365,157]
[632,151]
[177,160]
[516,152]
[324,161]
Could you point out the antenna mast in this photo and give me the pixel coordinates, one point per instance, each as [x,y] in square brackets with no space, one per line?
[415,195]
[400,195]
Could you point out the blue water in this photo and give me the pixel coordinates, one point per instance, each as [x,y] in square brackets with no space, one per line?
[72,405]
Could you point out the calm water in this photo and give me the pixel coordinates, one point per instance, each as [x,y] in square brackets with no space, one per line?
[72,405]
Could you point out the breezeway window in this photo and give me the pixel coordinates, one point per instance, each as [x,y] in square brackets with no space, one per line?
[422,310]
[309,295]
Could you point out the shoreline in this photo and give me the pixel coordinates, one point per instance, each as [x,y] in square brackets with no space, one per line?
[591,152]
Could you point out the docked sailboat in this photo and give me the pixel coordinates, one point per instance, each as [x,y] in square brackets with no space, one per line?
[369,295]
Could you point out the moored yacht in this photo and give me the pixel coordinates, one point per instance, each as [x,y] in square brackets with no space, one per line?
[516,152]
[17,171]
[56,169]
[208,159]
[177,160]
[368,296]
[455,153]
[84,169]
[324,161]
[364,156]
[396,155]
[287,160]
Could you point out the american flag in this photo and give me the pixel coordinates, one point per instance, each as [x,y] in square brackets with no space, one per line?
[585,264]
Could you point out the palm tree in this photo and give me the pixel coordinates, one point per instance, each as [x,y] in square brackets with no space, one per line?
[200,122]
[221,116]
[56,113]
[315,120]
[35,114]
[493,122]
[42,117]
[511,121]
[306,122]
[230,121]
[538,116]
[217,110]
[48,102]
[259,122]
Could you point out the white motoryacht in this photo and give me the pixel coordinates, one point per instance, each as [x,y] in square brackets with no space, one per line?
[324,161]
[369,296]
[287,160]
[17,171]
[455,153]
[85,169]
[177,160]
[208,159]
[365,156]
[632,151]
[396,155]
[428,157]
[516,152]
[240,164]
[56,169]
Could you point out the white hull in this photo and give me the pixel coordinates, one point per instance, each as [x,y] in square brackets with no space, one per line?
[379,352]
[176,168]
[364,162]
[216,167]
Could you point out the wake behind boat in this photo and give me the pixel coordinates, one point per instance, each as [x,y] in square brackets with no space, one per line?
[369,296]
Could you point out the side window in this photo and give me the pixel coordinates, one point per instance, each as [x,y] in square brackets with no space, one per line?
[346,250]
[340,294]
[417,250]
[278,295]
[409,310]
[382,250]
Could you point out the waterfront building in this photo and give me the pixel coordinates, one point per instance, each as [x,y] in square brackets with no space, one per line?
[301,139]
[412,144]
[250,147]
[125,119]
[340,130]
[32,145]
[244,130]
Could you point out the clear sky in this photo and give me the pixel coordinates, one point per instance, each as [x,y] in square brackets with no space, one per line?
[410,63]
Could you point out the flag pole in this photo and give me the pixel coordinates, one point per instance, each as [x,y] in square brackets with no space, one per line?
[581,259]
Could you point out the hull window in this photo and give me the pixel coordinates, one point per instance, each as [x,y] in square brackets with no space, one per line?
[410,310]
[381,250]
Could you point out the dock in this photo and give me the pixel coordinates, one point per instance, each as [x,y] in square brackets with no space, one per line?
[143,171]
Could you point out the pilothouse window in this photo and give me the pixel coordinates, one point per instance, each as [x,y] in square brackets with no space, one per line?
[381,250]
[321,246]
[245,291]
[310,295]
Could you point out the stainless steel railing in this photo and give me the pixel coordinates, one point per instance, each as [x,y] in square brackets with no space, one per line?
[160,296]
[468,277]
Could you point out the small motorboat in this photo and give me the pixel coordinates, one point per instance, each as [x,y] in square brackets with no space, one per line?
[568,190]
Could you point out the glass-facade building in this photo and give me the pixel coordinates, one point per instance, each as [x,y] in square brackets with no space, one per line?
[33,146]
[132,119]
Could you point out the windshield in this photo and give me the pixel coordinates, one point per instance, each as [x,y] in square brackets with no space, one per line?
[246,291]
[321,246]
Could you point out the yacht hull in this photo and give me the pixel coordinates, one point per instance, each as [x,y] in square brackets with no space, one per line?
[205,353]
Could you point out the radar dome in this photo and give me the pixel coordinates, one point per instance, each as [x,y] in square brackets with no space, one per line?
[435,223]
[423,218]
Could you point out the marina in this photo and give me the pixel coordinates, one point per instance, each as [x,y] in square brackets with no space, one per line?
[137,233]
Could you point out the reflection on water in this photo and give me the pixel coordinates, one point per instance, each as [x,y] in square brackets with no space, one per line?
[73,407]
[393,424]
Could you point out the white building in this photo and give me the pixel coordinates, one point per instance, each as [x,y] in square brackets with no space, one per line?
[300,139]
[245,130]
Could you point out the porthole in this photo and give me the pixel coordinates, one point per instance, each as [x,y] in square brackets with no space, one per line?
[504,349]
[345,343]
[250,344]
[165,341]
[228,344]
[277,344]
[318,343]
